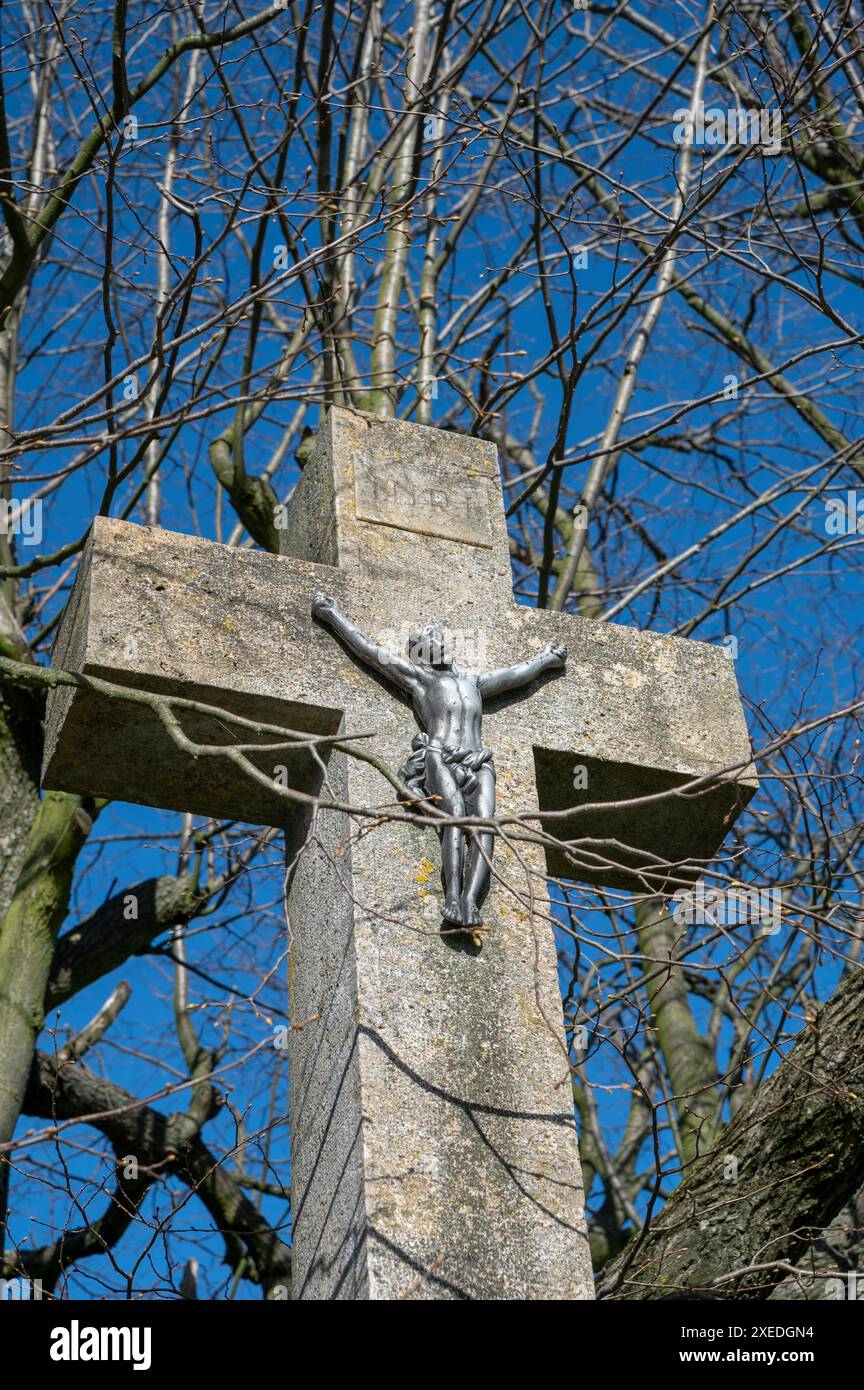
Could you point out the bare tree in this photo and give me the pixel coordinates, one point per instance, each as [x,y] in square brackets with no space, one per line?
[625,244]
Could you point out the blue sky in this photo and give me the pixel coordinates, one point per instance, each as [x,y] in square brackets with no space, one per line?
[797,636]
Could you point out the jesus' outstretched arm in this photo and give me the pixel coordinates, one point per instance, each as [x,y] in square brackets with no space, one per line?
[401,672]
[552,658]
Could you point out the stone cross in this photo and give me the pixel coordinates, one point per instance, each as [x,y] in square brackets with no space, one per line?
[433,1141]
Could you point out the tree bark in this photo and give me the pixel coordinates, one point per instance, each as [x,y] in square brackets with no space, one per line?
[108,937]
[27,935]
[689,1057]
[20,756]
[798,1146]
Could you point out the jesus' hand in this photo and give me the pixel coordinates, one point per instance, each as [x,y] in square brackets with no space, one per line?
[325,607]
[555,654]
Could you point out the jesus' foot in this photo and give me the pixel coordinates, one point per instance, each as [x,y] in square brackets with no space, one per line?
[471,918]
[470,912]
[453,911]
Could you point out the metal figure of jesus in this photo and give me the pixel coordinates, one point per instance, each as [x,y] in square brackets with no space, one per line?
[448,762]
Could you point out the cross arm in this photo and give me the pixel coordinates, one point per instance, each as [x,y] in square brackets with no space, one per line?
[230,628]
[644,731]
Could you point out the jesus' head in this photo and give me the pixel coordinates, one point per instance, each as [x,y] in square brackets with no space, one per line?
[429,646]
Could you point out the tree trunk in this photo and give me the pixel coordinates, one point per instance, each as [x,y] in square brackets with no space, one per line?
[780,1173]
[27,938]
[20,755]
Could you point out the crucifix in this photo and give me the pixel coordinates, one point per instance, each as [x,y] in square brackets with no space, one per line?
[434,1152]
[448,762]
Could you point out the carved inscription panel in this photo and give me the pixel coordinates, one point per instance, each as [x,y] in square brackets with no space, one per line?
[433,501]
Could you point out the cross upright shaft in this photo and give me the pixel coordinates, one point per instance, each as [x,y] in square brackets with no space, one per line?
[432,1127]
[463,1178]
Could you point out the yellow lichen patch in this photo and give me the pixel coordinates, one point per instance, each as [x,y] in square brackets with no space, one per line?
[526,1009]
[229,624]
[425,870]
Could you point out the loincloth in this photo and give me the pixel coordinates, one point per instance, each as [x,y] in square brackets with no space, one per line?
[464,763]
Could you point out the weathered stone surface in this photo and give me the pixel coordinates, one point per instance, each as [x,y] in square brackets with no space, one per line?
[438,1157]
[430,500]
[174,614]
[434,1149]
[642,712]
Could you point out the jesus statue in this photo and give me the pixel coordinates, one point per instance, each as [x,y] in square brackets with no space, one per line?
[448,763]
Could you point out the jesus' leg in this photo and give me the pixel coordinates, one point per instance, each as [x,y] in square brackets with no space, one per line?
[441,784]
[477,870]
